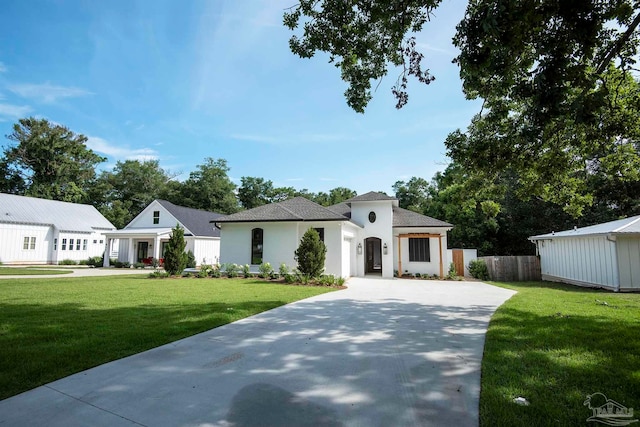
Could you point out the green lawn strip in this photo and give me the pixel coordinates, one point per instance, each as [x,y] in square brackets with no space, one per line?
[555,344]
[54,328]
[25,271]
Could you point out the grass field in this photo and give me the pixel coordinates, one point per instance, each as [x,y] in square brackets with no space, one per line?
[25,271]
[52,328]
[555,344]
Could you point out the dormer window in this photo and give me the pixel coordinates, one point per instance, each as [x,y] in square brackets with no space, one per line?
[156,217]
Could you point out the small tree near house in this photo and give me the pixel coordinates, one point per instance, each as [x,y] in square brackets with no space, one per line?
[311,254]
[175,258]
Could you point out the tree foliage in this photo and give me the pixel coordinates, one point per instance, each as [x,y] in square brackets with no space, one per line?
[47,161]
[311,254]
[209,188]
[175,258]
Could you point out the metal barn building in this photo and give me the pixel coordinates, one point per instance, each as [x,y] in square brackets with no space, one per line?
[604,255]
[41,231]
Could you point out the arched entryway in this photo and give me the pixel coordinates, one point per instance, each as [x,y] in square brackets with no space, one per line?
[373,256]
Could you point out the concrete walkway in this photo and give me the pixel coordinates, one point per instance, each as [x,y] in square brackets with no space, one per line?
[79,272]
[381,353]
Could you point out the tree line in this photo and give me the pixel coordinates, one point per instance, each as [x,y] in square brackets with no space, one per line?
[493,213]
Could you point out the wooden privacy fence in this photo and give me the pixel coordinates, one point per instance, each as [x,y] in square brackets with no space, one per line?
[513,268]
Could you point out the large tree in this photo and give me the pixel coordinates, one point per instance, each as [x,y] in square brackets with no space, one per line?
[122,193]
[254,192]
[48,161]
[209,188]
[560,103]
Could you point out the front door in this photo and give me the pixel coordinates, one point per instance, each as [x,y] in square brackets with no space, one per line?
[373,256]
[143,248]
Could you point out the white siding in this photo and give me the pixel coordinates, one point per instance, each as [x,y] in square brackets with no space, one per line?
[92,249]
[145,218]
[587,261]
[628,249]
[12,240]
[207,250]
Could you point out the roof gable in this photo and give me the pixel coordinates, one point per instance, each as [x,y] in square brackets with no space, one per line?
[406,218]
[65,216]
[296,209]
[371,196]
[197,221]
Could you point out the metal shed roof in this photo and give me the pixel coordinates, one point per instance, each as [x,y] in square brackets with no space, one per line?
[64,216]
[622,226]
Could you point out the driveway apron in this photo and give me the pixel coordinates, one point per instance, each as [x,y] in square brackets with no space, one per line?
[380,353]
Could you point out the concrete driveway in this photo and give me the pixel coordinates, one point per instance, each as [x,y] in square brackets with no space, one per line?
[381,353]
[79,272]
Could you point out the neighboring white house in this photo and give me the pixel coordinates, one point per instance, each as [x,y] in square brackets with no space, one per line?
[146,235]
[39,231]
[368,234]
[604,255]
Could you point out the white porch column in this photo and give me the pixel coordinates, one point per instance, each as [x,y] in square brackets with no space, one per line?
[107,252]
[131,252]
[156,247]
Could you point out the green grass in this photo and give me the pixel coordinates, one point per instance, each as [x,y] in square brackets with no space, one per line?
[54,328]
[555,344]
[24,271]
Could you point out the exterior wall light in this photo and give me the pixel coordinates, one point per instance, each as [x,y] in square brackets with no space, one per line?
[385,250]
[359,248]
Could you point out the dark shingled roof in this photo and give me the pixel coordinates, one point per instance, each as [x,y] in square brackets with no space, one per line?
[371,196]
[341,208]
[195,220]
[406,218]
[296,209]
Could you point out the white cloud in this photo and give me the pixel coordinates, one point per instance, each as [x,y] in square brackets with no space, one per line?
[46,92]
[103,146]
[14,111]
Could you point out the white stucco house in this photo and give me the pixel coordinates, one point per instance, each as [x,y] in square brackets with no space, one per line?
[604,255]
[368,234]
[146,235]
[41,231]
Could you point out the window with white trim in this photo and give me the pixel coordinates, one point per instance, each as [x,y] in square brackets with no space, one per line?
[77,244]
[84,245]
[71,242]
[29,243]
[64,244]
[55,244]
[156,217]
[419,250]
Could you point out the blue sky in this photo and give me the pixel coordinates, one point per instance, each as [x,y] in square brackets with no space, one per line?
[181,81]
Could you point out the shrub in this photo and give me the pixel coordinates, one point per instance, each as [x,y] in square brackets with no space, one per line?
[158,275]
[283,270]
[155,262]
[273,275]
[478,269]
[175,259]
[125,264]
[246,271]
[95,261]
[311,254]
[187,274]
[67,262]
[215,271]
[289,278]
[191,259]
[83,262]
[452,272]
[204,270]
[417,275]
[231,270]
[265,270]
[139,265]
[327,280]
[340,281]
[112,261]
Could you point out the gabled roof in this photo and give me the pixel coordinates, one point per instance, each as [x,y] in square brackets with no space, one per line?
[341,208]
[64,216]
[195,220]
[296,209]
[622,226]
[406,218]
[371,196]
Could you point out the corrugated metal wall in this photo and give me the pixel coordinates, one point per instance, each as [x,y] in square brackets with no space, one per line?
[629,262]
[585,260]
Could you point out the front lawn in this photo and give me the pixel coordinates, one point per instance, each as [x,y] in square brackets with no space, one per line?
[555,344]
[25,271]
[54,328]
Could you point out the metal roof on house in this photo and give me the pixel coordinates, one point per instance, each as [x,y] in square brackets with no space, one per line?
[296,209]
[197,221]
[371,196]
[64,216]
[406,218]
[622,226]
